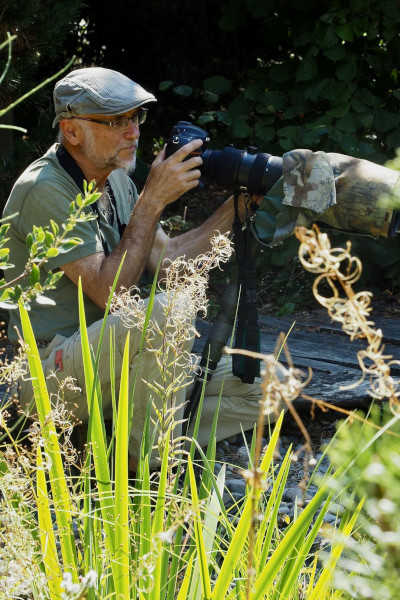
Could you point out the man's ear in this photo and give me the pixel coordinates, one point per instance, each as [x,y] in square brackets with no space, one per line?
[71,131]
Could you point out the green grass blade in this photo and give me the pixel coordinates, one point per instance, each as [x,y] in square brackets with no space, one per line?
[91,547]
[122,545]
[158,523]
[200,545]
[324,581]
[234,553]
[145,510]
[300,553]
[184,591]
[58,482]
[211,521]
[263,546]
[46,533]
[266,578]
[97,434]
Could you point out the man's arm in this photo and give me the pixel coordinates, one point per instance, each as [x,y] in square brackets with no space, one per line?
[167,181]
[196,241]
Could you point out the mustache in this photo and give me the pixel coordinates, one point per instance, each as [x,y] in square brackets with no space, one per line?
[130,147]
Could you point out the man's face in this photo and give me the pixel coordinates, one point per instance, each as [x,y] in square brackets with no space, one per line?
[110,148]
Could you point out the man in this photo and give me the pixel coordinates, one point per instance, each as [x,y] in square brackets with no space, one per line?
[99,113]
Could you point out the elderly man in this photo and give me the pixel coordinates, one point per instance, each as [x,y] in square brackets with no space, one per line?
[99,113]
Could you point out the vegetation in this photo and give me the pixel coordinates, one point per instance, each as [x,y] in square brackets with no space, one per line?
[89,531]
[76,530]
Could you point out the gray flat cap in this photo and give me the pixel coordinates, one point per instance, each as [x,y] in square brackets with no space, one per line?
[97,91]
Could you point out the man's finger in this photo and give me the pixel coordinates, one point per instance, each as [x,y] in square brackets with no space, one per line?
[187,149]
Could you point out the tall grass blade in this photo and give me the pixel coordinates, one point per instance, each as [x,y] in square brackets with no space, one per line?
[295,562]
[184,590]
[201,549]
[122,539]
[265,580]
[97,433]
[46,533]
[325,580]
[269,524]
[158,523]
[234,553]
[58,483]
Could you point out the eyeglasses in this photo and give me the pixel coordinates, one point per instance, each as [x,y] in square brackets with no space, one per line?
[138,118]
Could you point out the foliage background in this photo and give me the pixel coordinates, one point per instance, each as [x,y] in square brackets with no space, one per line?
[275,74]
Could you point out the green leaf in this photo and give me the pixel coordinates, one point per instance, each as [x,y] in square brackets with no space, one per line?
[6,226]
[282,72]
[183,90]
[53,278]
[240,127]
[358,106]
[307,70]
[217,84]
[274,101]
[52,252]
[347,123]
[336,53]
[210,97]
[266,133]
[367,97]
[29,241]
[346,71]
[339,111]
[386,120]
[35,275]
[165,85]
[345,32]
[333,89]
[54,227]
[69,244]
[287,309]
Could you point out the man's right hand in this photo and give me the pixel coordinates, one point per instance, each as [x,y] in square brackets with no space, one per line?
[171,177]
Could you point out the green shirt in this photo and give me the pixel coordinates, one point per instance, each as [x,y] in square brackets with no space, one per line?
[43,192]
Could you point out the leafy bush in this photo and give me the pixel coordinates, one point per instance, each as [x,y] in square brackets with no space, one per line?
[371,470]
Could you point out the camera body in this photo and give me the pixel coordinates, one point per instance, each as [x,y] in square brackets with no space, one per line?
[241,170]
[183,133]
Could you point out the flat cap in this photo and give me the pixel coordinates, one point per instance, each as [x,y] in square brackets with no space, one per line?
[98,91]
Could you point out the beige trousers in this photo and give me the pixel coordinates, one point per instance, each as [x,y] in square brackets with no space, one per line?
[62,361]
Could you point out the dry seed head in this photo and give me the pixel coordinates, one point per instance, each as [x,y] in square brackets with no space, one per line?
[340,270]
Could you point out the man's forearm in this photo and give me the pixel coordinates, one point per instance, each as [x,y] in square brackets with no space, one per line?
[197,241]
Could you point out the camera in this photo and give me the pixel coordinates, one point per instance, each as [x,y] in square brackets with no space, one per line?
[242,170]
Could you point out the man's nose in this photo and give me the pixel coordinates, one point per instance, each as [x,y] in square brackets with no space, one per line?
[132,130]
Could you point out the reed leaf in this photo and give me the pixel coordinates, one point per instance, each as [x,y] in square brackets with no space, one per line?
[158,523]
[46,532]
[324,582]
[58,482]
[200,545]
[234,553]
[299,527]
[122,538]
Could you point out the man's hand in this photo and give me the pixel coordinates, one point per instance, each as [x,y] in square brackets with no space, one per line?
[171,177]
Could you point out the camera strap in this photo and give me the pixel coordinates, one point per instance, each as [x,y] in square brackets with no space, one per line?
[69,164]
[247,332]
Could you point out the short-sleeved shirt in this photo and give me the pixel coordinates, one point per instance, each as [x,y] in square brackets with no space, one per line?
[44,192]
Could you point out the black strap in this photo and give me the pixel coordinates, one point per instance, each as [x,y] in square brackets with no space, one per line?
[248,332]
[69,164]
